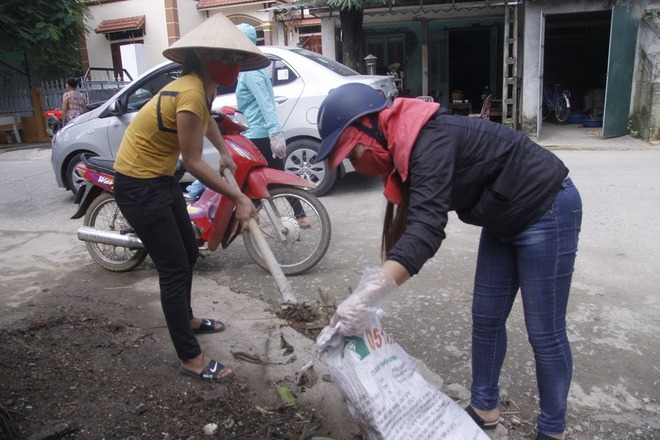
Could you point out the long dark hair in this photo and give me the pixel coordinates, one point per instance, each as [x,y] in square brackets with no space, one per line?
[394,223]
[192,63]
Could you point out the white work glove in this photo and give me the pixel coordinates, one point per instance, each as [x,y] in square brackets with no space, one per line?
[278,145]
[354,314]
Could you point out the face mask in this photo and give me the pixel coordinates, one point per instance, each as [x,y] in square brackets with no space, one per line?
[221,73]
[374,162]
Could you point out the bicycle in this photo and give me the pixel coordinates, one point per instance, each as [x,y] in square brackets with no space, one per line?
[559,104]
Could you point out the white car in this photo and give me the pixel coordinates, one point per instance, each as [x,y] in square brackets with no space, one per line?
[301,80]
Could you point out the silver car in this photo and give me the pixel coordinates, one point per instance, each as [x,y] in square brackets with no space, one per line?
[301,80]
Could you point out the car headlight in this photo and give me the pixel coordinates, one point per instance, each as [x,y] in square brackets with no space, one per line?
[62,130]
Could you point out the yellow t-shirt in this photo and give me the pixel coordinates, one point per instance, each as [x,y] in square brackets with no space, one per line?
[150,147]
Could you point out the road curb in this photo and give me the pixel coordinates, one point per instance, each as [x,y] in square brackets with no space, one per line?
[26,146]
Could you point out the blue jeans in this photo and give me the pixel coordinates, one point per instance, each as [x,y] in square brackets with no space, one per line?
[539,261]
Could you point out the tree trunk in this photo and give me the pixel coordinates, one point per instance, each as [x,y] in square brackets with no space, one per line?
[351,42]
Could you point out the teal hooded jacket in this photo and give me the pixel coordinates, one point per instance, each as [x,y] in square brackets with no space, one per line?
[255,97]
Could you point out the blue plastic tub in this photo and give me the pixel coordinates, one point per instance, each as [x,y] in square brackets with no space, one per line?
[592,123]
[576,118]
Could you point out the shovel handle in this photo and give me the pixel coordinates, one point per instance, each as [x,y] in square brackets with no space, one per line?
[273,266]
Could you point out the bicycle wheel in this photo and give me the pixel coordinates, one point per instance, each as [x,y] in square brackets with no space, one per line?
[545,111]
[561,109]
[306,244]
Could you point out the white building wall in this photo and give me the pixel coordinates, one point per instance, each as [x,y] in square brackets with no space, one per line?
[189,16]
[133,59]
[250,13]
[155,38]
[98,47]
[328,37]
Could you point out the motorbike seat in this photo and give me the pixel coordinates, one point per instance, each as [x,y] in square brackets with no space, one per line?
[98,163]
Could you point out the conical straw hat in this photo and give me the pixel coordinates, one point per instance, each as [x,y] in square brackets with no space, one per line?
[220,34]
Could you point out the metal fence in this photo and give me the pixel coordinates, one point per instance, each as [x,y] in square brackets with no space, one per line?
[97,86]
[15,98]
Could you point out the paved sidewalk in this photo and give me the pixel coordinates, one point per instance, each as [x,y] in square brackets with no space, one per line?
[555,136]
[575,136]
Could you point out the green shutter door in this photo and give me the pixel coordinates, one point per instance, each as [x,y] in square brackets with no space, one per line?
[623,40]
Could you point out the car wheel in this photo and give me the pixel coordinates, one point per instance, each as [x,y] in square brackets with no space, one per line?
[53,125]
[300,155]
[73,179]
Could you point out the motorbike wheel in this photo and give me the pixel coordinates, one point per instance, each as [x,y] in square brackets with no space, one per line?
[103,213]
[562,110]
[53,125]
[303,247]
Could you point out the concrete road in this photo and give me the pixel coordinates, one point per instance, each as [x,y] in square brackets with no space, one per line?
[613,312]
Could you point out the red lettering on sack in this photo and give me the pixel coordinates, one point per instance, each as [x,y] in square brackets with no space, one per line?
[377,338]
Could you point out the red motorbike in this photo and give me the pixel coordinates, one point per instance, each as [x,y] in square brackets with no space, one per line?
[293,221]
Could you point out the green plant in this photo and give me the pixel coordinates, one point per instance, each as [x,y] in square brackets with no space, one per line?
[652,13]
[631,129]
[45,34]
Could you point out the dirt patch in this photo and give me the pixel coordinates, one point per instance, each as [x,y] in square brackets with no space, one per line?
[71,374]
[308,318]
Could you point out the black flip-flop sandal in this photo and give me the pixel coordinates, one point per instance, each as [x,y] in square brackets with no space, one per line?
[478,420]
[211,373]
[208,326]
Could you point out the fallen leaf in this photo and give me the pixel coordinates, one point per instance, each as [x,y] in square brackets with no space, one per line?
[247,357]
[286,395]
[277,307]
[288,349]
[325,297]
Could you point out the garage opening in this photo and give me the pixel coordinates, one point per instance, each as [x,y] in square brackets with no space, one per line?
[575,60]
[474,68]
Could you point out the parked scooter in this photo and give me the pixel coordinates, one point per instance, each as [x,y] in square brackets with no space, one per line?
[53,121]
[296,245]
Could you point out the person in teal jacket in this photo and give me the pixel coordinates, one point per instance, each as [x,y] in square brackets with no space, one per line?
[255,98]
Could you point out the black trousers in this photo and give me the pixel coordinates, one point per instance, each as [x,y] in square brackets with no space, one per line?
[263,144]
[156,210]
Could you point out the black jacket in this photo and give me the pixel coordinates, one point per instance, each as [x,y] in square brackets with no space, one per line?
[490,175]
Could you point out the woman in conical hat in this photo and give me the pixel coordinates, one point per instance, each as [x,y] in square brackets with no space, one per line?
[175,123]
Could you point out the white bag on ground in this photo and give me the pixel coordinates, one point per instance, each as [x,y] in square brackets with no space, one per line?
[386,394]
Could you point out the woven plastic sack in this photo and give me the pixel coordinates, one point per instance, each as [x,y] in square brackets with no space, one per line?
[385,392]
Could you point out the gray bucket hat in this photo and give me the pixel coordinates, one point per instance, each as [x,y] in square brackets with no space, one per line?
[221,35]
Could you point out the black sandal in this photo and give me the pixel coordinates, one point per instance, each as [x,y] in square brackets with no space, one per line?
[208,326]
[211,373]
[478,420]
